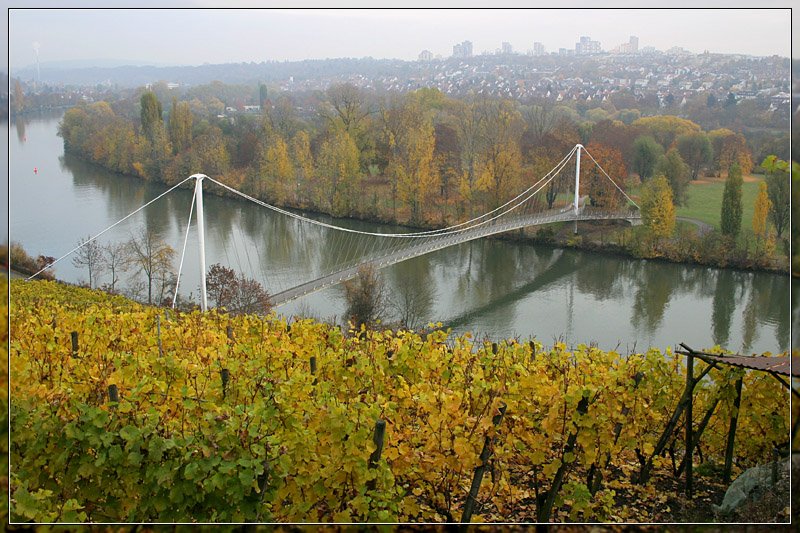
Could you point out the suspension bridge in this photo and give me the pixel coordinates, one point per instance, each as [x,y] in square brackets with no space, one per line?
[352,250]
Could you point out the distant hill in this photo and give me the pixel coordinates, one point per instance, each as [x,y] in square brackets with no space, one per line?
[136,75]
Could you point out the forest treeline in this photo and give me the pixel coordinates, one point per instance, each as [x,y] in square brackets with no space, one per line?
[419,158]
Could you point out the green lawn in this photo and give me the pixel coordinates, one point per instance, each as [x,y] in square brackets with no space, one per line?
[704,202]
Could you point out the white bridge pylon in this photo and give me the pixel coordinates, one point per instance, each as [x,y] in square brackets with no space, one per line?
[352,249]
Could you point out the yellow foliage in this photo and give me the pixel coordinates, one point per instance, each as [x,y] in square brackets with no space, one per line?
[761,211]
[658,210]
[437,394]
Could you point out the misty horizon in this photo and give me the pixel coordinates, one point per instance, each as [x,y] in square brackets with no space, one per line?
[253,36]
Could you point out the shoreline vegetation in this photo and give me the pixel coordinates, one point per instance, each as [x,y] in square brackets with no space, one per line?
[425,160]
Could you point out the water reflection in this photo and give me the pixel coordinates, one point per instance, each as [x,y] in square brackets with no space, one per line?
[605,280]
[655,288]
[20,127]
[724,304]
[490,286]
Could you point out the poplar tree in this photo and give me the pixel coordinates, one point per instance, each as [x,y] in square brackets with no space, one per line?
[731,216]
[658,211]
[761,211]
[180,126]
[150,112]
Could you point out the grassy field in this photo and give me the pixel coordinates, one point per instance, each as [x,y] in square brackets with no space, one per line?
[704,201]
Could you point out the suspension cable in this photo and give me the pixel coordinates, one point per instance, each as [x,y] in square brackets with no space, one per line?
[50,265]
[432,233]
[609,177]
[183,253]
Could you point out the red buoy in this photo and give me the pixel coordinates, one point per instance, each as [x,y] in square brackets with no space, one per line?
[35,170]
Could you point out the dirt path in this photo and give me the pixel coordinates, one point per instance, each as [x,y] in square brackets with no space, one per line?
[702,227]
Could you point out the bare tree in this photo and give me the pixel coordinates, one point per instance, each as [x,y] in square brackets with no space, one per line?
[236,293]
[89,255]
[411,305]
[366,297]
[347,106]
[151,256]
[540,120]
[116,260]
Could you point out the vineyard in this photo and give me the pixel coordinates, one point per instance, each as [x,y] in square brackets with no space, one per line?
[128,413]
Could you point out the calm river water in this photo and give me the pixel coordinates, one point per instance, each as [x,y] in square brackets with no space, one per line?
[492,288]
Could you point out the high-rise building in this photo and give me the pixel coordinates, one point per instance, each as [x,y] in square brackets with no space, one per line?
[538,49]
[631,47]
[425,55]
[506,48]
[463,49]
[587,46]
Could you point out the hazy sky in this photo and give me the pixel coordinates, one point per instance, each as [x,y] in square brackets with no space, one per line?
[196,36]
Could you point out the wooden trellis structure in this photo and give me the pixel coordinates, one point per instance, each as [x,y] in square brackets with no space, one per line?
[777,367]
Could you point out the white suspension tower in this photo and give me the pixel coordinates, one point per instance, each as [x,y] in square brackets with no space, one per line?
[201,240]
[577,184]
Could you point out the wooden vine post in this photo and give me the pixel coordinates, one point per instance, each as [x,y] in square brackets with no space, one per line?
[74,337]
[543,512]
[644,473]
[377,439]
[225,377]
[312,363]
[726,475]
[113,394]
[477,477]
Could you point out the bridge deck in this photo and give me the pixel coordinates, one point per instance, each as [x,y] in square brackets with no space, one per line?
[432,244]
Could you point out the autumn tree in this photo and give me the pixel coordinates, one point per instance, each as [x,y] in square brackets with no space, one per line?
[676,171]
[646,152]
[338,168]
[628,116]
[348,108]
[150,112]
[695,149]
[658,211]
[539,121]
[89,255]
[467,121]
[211,152]
[160,150]
[603,192]
[283,117]
[731,215]
[761,211]
[733,149]
[778,190]
[666,128]
[303,163]
[152,257]
[236,293]
[276,170]
[411,143]
[180,126]
[500,159]
[617,134]
[718,137]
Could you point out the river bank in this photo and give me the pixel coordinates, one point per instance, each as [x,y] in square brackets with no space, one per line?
[503,287]
[601,237]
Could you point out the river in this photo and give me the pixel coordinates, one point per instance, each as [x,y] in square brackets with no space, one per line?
[489,287]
